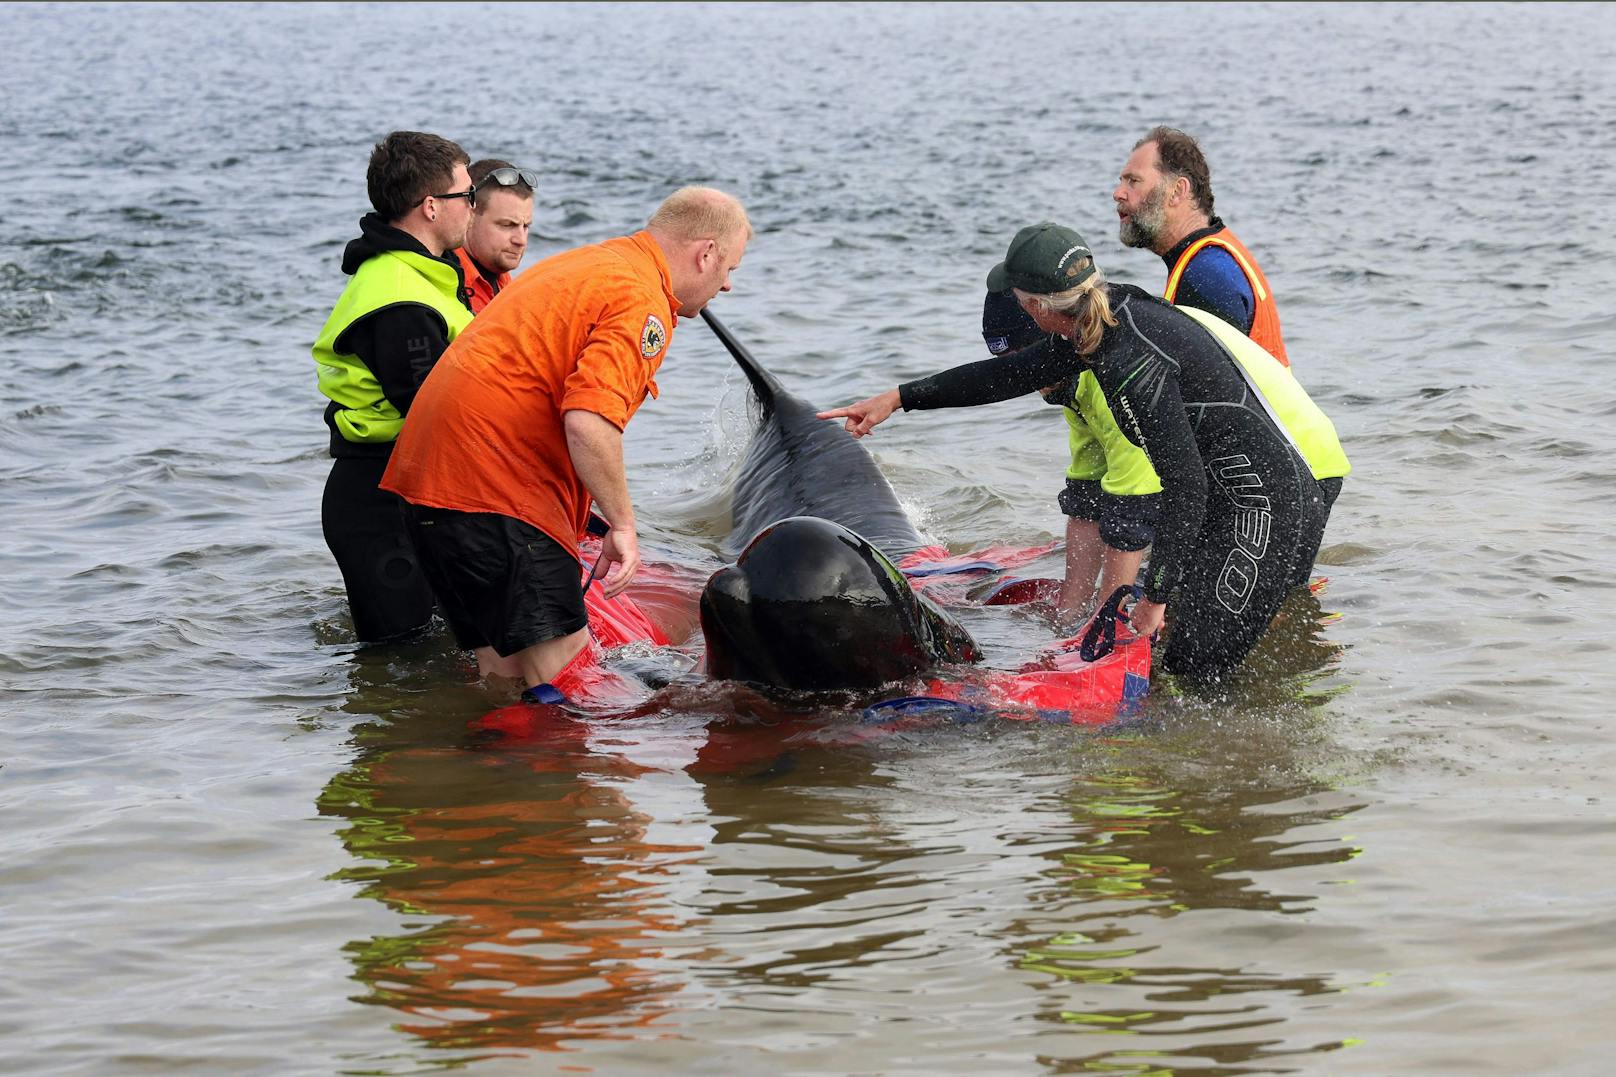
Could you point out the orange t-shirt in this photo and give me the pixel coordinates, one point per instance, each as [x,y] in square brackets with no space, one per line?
[583,330]
[479,292]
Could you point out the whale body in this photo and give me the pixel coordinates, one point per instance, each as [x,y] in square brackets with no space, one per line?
[814,601]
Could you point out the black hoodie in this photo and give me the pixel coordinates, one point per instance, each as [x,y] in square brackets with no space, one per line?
[399,343]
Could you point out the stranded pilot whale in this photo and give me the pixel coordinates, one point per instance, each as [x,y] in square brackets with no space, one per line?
[814,601]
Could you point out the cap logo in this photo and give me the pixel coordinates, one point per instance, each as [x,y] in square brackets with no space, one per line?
[998,345]
[1067,255]
[653,337]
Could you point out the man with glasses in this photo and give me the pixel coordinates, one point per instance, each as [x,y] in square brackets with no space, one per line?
[402,306]
[497,238]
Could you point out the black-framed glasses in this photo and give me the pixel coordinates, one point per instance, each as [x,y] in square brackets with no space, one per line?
[510,177]
[469,194]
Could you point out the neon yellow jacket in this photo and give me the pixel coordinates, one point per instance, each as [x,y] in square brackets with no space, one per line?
[1100,450]
[363,413]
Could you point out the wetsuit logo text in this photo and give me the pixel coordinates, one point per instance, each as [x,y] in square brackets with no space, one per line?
[1237,580]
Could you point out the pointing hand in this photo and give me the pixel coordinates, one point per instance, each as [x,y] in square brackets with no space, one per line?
[866,415]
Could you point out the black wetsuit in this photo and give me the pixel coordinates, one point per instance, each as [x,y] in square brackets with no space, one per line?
[1238,500]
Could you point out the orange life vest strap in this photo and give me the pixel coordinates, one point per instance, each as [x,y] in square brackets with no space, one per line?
[1252,276]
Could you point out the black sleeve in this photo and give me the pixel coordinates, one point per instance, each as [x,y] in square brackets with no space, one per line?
[399,344]
[1000,378]
[1145,398]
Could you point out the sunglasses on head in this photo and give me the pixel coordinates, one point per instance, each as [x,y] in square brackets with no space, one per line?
[510,177]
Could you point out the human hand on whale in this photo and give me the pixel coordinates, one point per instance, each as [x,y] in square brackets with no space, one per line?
[865,415]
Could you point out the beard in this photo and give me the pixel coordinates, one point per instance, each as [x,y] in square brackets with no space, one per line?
[1141,229]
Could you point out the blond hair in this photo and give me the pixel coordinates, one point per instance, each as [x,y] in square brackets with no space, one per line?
[692,213]
[1089,303]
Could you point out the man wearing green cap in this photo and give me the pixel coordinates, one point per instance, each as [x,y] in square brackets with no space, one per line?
[1236,442]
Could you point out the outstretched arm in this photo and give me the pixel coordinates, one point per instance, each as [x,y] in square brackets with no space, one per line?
[988,381]
[1033,368]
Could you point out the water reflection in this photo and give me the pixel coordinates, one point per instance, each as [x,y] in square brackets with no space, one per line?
[1168,879]
[548,866]
[535,890]
[565,880]
[1287,663]
[1293,655]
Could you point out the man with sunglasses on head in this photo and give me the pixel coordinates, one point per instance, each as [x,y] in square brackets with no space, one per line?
[401,308]
[497,238]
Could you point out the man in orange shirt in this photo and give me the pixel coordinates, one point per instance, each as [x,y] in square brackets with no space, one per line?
[497,238]
[521,423]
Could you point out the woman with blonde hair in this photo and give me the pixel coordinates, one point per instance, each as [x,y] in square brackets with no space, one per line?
[1238,445]
[1110,496]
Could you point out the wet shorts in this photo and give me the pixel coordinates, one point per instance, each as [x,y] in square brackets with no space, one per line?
[1126,523]
[500,582]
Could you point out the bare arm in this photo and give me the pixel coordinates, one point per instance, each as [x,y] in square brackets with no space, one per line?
[596,447]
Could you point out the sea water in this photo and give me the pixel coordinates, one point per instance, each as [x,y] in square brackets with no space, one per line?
[236,843]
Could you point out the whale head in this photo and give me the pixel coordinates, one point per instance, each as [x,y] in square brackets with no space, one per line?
[811,606]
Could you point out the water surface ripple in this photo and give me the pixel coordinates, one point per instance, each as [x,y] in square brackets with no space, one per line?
[236,844]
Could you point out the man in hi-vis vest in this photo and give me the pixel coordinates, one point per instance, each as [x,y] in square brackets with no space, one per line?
[402,306]
[1164,201]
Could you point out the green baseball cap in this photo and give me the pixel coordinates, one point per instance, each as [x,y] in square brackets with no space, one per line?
[1043,259]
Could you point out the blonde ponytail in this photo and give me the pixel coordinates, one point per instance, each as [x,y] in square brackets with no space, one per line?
[1089,303]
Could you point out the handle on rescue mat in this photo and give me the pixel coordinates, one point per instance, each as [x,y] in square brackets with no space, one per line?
[1100,638]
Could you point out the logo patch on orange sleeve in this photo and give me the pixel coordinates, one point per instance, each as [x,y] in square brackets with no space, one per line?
[653,338]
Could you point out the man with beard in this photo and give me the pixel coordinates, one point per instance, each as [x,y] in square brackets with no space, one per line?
[1164,200]
[497,238]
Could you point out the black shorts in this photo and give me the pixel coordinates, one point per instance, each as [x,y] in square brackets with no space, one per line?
[1126,523]
[500,583]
